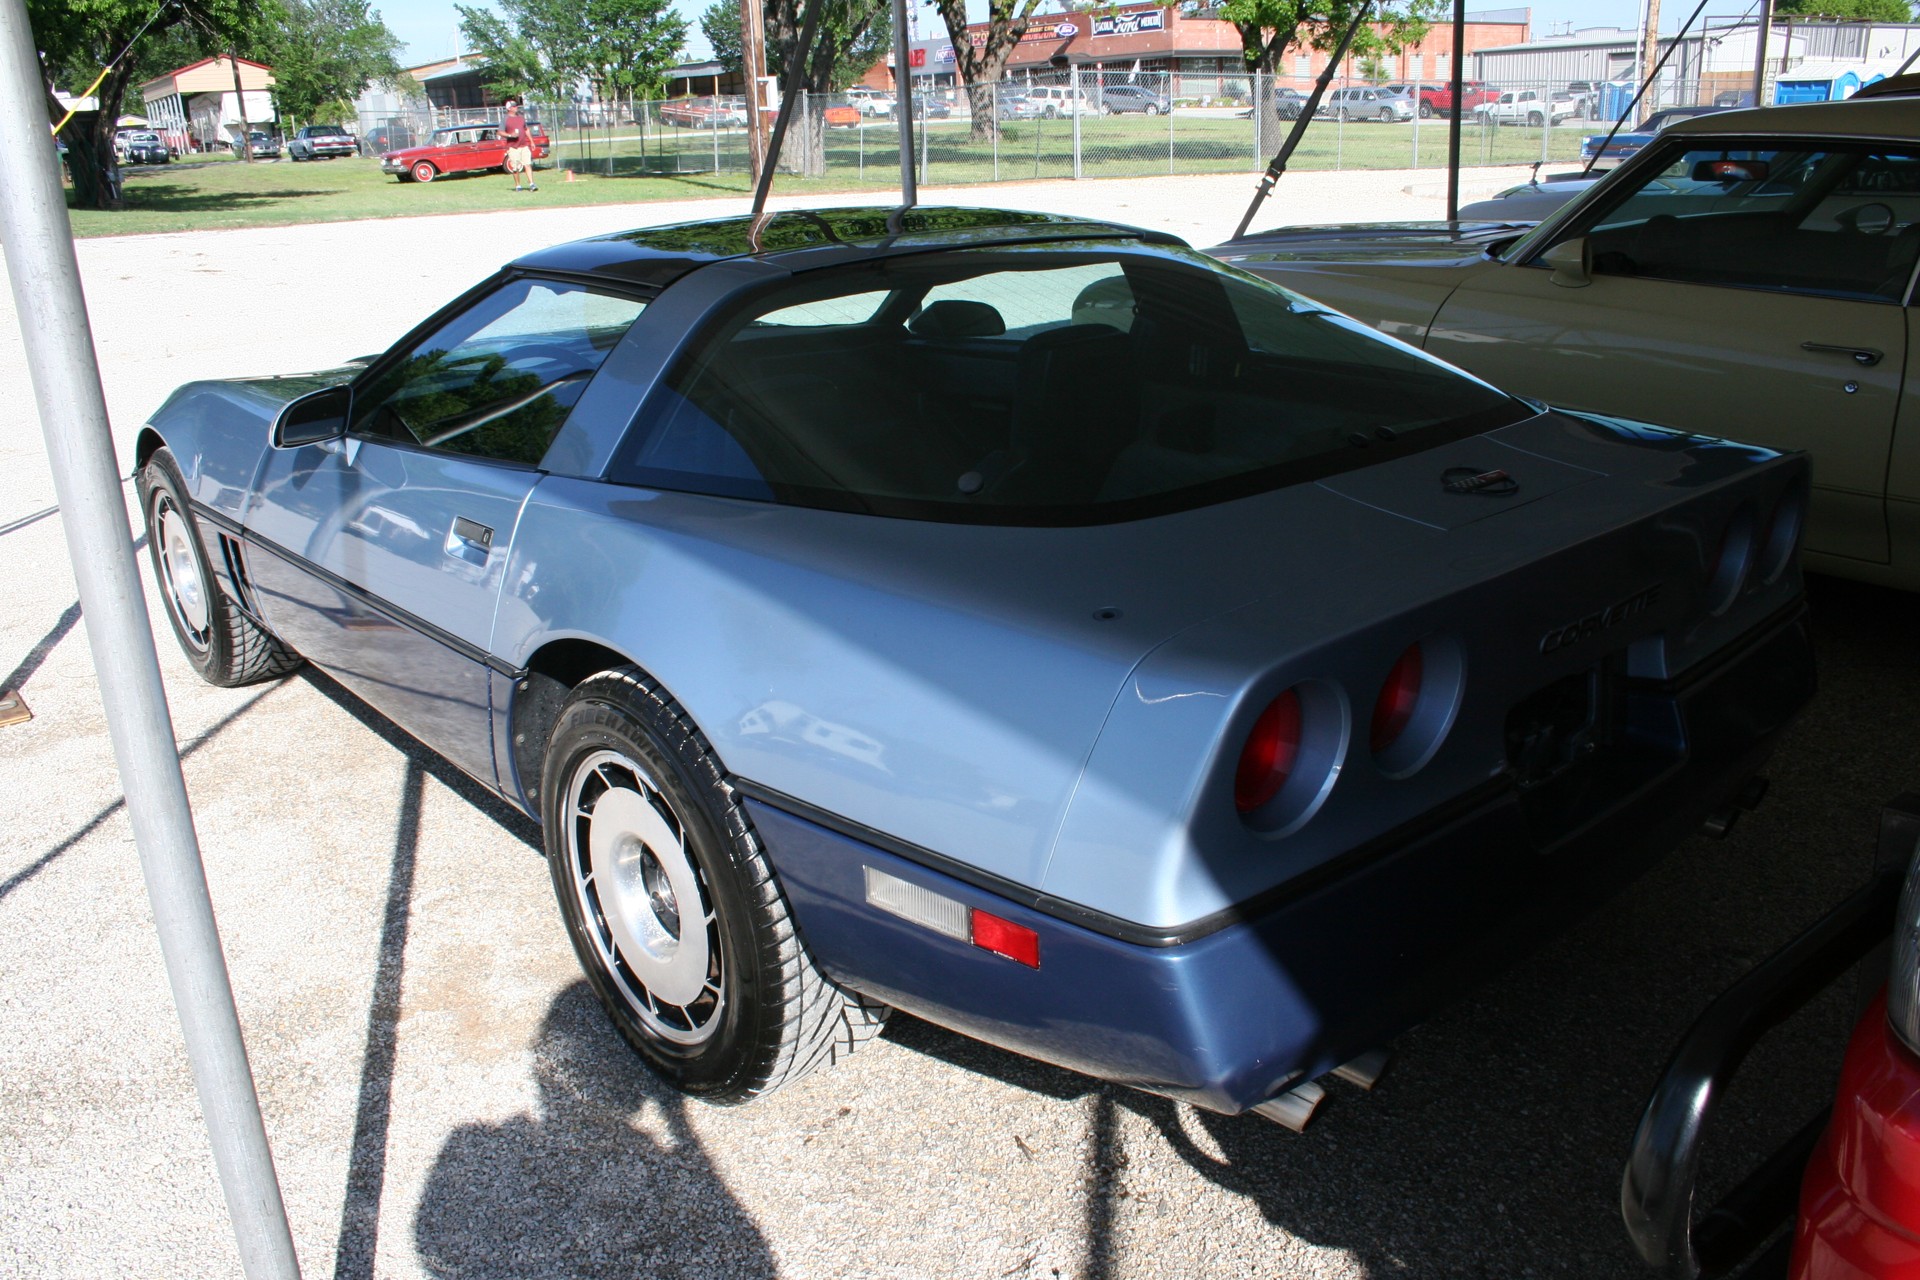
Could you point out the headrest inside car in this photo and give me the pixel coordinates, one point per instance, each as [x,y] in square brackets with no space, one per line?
[957,318]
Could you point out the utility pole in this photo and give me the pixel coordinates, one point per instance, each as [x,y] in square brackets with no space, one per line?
[1650,49]
[753,64]
[240,105]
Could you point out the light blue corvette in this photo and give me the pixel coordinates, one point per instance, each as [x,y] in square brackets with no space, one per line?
[1027,623]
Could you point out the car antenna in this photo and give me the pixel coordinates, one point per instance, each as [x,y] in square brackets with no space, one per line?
[1300,123]
[1645,85]
[790,94]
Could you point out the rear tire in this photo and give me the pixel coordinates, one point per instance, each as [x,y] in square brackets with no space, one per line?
[672,906]
[1535,119]
[224,645]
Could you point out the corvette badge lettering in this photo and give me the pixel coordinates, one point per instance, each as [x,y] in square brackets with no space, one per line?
[1594,623]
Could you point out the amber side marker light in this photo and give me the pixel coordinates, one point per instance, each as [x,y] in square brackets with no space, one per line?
[956,920]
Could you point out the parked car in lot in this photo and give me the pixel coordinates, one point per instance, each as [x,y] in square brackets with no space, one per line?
[321,142]
[1009,105]
[1597,151]
[462,148]
[1473,93]
[1856,1164]
[926,108]
[1528,202]
[869,101]
[705,112]
[1288,103]
[263,145]
[1118,99]
[1747,274]
[388,137]
[1059,100]
[144,148]
[1021,621]
[1529,107]
[1367,104]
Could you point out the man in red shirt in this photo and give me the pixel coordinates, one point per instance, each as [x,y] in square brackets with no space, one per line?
[519,146]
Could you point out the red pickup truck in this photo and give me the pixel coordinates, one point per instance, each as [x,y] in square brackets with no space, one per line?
[1437,100]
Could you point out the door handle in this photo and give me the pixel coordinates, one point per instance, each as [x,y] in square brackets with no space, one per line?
[1865,357]
[469,540]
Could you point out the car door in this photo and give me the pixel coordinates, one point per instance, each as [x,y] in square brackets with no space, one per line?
[1754,292]
[379,555]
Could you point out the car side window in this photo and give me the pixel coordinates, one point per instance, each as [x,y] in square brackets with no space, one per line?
[498,379]
[1826,219]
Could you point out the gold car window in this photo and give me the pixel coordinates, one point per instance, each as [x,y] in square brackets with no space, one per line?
[1816,218]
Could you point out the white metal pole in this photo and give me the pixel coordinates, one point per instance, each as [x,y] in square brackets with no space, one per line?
[73,418]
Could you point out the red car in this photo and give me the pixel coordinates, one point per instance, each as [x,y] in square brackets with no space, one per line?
[1854,1171]
[460,148]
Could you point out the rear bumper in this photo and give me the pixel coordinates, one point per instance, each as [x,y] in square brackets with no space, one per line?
[1302,983]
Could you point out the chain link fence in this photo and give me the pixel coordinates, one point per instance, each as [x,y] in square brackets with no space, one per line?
[1082,124]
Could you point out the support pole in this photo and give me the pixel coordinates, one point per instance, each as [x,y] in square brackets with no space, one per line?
[1459,100]
[903,104]
[73,418]
[1645,85]
[1762,28]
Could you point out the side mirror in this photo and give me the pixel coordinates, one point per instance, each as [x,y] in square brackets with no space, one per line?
[1572,263]
[314,417]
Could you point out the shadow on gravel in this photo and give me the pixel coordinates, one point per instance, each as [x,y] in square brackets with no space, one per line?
[367,1162]
[604,1179]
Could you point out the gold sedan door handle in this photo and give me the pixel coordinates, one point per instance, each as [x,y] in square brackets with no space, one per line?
[1865,357]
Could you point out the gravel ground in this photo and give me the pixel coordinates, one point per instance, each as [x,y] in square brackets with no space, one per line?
[445,1099]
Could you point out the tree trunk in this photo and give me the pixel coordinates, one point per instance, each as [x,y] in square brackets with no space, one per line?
[980,106]
[240,103]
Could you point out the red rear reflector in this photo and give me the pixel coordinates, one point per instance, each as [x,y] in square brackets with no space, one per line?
[1005,938]
[1268,758]
[1393,710]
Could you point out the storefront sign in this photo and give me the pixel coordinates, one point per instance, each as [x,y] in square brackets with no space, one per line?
[1130,23]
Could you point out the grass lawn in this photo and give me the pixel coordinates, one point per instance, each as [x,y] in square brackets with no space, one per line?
[634,163]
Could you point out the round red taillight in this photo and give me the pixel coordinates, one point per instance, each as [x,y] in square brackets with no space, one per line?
[1272,749]
[1393,710]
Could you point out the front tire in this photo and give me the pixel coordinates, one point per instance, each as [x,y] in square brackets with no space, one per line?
[1426,111]
[1153,109]
[424,171]
[224,645]
[672,906]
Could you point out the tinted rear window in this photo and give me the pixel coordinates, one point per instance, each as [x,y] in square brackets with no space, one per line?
[1055,384]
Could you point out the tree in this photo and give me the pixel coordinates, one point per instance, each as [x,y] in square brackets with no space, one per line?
[1268,28]
[534,48]
[77,38]
[980,69]
[544,46]
[628,46]
[1846,10]
[852,36]
[324,54]
[860,35]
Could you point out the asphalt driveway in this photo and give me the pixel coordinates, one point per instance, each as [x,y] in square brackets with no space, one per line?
[445,1099]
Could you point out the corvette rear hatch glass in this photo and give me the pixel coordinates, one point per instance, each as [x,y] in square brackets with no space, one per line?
[1063,383]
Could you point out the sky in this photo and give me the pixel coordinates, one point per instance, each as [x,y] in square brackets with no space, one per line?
[429,27]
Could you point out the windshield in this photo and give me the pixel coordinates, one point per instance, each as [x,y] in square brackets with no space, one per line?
[1053,384]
